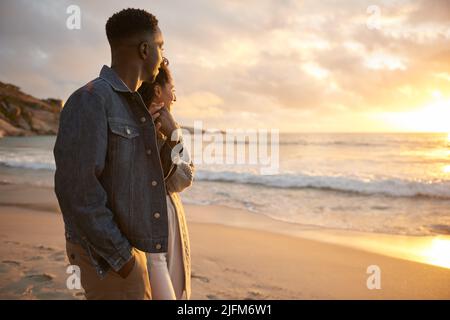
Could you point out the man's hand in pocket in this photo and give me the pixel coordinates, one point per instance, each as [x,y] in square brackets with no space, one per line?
[127,267]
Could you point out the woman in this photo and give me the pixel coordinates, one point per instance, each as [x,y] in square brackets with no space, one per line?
[170,272]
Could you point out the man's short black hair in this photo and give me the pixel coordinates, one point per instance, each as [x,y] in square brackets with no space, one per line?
[129,22]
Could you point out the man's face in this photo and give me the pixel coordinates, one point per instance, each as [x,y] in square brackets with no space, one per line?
[155,57]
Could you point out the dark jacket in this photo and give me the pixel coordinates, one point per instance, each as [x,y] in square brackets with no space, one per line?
[110,175]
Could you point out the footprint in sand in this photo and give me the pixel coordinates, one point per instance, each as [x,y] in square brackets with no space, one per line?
[58,256]
[34,258]
[237,271]
[254,295]
[28,291]
[9,265]
[11,262]
[11,242]
[201,278]
[45,294]
[44,248]
[41,277]
[30,286]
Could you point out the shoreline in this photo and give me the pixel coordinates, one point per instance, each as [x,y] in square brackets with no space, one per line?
[421,249]
[229,261]
[414,248]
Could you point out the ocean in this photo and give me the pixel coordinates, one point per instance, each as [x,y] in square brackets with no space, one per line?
[395,183]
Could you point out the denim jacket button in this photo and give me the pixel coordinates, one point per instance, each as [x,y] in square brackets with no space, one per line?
[149,151]
[158,246]
[143,119]
[156,215]
[127,130]
[154,183]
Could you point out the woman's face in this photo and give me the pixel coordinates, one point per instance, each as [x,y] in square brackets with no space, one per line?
[166,94]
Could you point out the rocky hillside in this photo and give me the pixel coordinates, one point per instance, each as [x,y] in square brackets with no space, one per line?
[23,115]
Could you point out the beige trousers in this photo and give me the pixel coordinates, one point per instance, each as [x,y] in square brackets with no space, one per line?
[135,286]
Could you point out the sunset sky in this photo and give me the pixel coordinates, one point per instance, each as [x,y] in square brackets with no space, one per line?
[292,65]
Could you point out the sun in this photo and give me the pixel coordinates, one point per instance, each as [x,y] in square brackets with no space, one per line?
[432,117]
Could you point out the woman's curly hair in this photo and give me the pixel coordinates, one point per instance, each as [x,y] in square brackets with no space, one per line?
[147,89]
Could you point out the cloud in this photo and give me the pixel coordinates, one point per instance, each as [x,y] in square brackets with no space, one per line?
[200,102]
[250,61]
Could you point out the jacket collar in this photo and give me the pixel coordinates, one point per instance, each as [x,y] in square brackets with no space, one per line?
[110,76]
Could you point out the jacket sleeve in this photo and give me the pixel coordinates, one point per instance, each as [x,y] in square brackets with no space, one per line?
[182,178]
[165,153]
[183,173]
[80,152]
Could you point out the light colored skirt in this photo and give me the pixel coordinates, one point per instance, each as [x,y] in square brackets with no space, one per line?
[166,270]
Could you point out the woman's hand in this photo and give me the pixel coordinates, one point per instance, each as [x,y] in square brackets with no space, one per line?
[167,122]
[154,111]
[164,120]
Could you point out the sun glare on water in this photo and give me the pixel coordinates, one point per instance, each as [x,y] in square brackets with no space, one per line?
[438,253]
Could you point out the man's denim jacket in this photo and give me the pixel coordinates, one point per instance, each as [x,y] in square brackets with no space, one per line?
[110,174]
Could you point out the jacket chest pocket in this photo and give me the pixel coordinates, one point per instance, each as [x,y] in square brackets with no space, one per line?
[123,141]
[123,129]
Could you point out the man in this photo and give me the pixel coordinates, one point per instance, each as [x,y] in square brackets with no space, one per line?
[109,177]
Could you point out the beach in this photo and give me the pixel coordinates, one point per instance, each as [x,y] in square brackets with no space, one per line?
[315,137]
[229,261]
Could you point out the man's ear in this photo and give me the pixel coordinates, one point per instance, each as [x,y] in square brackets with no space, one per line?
[144,50]
[158,91]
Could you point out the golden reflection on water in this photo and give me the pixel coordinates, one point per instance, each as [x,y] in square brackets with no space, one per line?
[438,253]
[446,168]
[432,250]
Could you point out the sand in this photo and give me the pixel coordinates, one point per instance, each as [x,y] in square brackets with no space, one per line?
[231,261]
